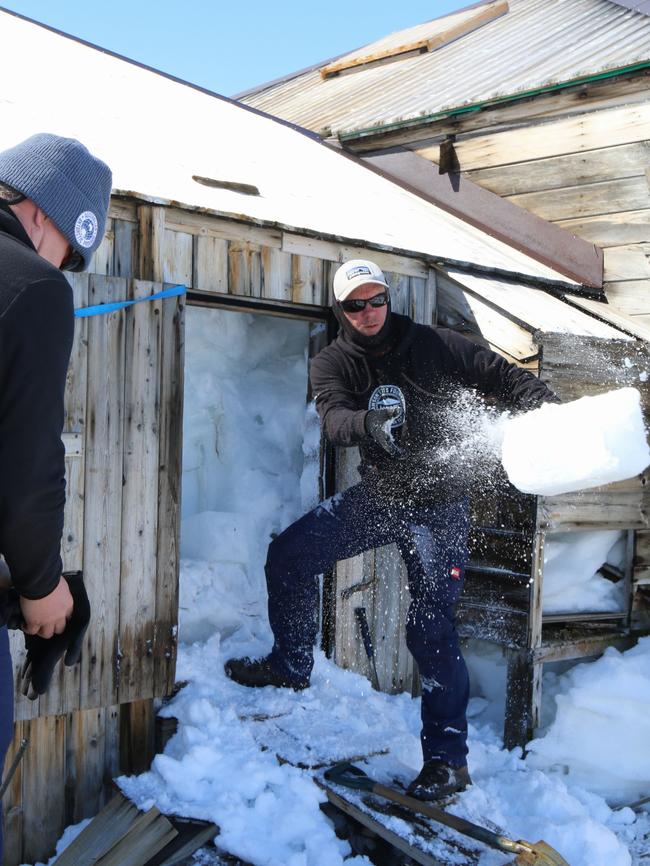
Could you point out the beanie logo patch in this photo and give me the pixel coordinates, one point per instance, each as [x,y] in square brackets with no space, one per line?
[85,229]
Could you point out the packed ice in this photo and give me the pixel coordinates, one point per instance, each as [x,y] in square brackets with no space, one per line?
[585,443]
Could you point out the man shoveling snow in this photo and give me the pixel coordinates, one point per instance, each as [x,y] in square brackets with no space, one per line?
[387,385]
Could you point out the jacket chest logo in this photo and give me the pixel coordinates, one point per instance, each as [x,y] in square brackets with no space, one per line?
[385,396]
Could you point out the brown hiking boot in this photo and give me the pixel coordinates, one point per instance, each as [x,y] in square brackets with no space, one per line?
[257,673]
[437,780]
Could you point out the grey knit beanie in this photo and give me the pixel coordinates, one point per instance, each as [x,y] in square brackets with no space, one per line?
[67,182]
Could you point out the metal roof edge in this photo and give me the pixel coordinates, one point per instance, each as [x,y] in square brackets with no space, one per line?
[558,288]
[421,120]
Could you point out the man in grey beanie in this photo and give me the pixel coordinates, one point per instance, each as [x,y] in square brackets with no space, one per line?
[54,197]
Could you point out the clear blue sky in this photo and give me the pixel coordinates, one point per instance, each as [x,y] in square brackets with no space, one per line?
[231,45]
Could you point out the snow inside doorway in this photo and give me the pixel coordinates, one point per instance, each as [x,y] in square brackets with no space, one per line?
[244,455]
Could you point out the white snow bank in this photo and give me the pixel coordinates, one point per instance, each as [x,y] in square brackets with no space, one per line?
[574,446]
[601,734]
[571,579]
[221,766]
[243,457]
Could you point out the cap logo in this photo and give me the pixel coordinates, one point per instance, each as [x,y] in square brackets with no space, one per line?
[85,229]
[356,272]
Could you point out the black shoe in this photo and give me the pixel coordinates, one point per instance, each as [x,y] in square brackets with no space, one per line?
[437,780]
[257,673]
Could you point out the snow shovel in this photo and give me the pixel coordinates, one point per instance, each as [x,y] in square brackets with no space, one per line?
[539,854]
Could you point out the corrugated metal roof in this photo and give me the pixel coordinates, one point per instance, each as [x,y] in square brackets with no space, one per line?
[538,43]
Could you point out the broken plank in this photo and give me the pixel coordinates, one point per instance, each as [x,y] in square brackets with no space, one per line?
[103,832]
[147,835]
[380,830]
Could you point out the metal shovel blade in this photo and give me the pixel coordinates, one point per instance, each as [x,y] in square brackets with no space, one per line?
[540,854]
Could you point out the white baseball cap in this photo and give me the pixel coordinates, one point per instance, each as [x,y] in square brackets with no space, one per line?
[355,273]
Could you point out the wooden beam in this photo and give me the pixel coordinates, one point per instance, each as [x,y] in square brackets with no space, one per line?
[577,259]
[460,24]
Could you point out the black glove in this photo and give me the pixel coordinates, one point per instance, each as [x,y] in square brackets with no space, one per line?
[43,654]
[378,426]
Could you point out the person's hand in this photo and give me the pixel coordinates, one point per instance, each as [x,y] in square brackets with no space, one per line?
[48,616]
[378,424]
[43,655]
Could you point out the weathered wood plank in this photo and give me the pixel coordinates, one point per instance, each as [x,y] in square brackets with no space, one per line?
[177,257]
[391,601]
[12,802]
[140,494]
[103,493]
[418,300]
[462,23]
[169,493]
[573,135]
[210,264]
[400,297]
[102,261]
[244,269]
[595,510]
[629,296]
[123,209]
[308,281]
[151,243]
[339,252]
[63,694]
[635,325]
[457,306]
[276,274]
[613,229]
[85,763]
[610,196]
[573,169]
[125,251]
[137,736]
[230,230]
[627,263]
[44,767]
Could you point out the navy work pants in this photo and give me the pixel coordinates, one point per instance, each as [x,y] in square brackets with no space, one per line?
[6,707]
[432,541]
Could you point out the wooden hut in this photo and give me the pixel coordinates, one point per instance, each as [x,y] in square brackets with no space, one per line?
[529,119]
[247,213]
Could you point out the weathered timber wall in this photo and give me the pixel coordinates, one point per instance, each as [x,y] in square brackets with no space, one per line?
[578,158]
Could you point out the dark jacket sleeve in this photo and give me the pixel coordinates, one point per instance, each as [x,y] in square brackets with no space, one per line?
[493,375]
[341,419]
[36,333]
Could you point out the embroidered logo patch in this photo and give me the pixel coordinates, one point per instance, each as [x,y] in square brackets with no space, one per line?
[358,271]
[455,573]
[85,229]
[389,395]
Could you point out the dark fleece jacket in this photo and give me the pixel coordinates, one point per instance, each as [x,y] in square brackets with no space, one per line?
[36,331]
[434,373]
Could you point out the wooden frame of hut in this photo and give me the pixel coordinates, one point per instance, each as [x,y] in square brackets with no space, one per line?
[239,232]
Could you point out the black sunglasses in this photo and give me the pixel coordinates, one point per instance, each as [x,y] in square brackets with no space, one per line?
[355,305]
[72,261]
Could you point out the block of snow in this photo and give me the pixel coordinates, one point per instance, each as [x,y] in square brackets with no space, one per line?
[215,536]
[574,446]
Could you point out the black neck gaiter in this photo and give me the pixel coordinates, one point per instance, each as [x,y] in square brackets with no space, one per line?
[361,345]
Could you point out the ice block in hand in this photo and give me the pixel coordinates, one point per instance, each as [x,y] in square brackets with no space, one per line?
[560,448]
